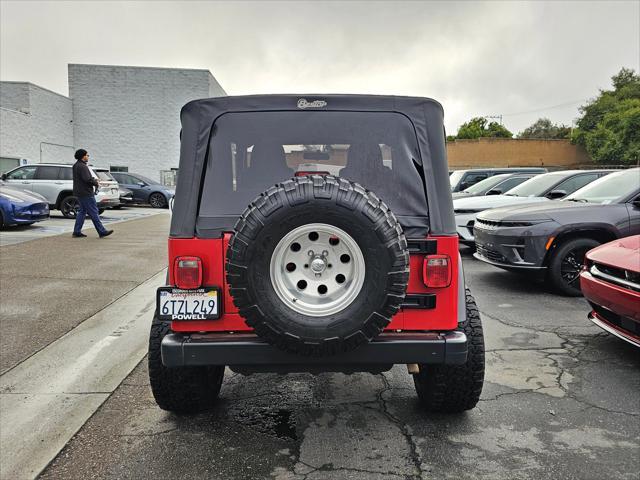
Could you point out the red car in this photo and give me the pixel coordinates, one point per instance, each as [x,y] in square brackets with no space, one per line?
[610,281]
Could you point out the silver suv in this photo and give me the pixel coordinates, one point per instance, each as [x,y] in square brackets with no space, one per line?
[54,181]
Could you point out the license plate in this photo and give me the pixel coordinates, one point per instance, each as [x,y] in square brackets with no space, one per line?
[199,304]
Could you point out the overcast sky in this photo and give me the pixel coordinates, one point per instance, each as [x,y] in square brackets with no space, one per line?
[521,60]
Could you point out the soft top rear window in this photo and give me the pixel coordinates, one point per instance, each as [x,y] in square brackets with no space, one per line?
[249,152]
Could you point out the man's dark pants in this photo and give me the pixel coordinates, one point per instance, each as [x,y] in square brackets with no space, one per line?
[89,207]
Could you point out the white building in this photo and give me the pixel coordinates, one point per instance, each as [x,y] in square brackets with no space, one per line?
[36,125]
[128,118]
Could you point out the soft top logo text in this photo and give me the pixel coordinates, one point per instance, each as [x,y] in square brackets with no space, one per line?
[303,103]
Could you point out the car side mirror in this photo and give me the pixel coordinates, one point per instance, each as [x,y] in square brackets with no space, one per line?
[142,184]
[556,194]
[4,176]
[636,203]
[494,191]
[463,186]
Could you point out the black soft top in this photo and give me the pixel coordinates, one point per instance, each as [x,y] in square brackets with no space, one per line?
[425,115]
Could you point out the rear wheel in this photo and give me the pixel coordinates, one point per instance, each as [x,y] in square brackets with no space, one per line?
[180,389]
[69,206]
[456,388]
[157,200]
[566,263]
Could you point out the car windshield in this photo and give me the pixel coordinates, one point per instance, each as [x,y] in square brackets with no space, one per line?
[455,178]
[102,175]
[608,189]
[145,180]
[485,185]
[252,151]
[536,186]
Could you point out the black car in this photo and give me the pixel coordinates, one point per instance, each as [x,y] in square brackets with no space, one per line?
[461,179]
[144,189]
[550,239]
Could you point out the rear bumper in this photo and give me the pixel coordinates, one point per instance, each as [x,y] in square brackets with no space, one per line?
[108,202]
[248,350]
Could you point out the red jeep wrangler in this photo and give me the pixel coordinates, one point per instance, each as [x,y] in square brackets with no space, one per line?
[314,234]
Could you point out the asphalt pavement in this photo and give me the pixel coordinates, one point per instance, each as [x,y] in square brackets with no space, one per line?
[560,401]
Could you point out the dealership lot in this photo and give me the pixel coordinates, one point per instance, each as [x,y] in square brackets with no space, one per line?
[58,224]
[560,397]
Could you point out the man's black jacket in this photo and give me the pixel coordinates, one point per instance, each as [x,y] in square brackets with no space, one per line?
[83,183]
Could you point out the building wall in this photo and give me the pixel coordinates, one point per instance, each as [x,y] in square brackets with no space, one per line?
[494,152]
[130,116]
[35,123]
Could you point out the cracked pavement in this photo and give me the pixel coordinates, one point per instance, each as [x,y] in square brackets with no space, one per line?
[561,400]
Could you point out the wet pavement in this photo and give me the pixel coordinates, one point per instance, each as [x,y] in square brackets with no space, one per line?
[561,400]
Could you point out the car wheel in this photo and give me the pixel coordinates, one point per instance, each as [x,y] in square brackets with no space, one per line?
[317,265]
[2,225]
[69,207]
[456,388]
[180,389]
[566,263]
[157,200]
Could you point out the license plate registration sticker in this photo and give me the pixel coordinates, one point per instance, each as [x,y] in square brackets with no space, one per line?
[199,304]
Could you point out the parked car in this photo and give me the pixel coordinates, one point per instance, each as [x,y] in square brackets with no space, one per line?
[548,186]
[494,185]
[144,189]
[126,196]
[18,207]
[550,239]
[311,273]
[463,179]
[610,281]
[54,181]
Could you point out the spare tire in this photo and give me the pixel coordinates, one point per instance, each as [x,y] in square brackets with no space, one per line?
[317,265]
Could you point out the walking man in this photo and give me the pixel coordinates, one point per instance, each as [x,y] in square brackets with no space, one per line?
[83,189]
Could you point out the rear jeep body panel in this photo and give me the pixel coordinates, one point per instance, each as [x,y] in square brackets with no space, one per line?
[435,310]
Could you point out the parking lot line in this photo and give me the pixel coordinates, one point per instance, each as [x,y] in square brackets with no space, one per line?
[48,397]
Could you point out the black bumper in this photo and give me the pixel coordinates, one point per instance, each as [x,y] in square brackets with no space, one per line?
[247,350]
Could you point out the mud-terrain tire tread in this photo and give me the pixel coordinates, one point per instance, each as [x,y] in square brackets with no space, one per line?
[456,388]
[340,193]
[180,389]
[553,275]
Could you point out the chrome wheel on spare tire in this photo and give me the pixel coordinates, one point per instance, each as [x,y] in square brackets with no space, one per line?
[317,269]
[317,265]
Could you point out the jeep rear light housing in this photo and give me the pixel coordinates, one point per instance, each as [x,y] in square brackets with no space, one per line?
[187,272]
[436,271]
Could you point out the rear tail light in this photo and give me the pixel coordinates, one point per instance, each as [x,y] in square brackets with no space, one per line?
[436,271]
[187,272]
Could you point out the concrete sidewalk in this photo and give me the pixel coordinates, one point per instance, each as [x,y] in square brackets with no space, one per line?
[49,286]
[74,317]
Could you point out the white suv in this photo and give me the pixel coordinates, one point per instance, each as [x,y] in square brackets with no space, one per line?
[54,181]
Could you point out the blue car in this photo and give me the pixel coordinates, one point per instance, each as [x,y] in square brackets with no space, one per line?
[18,207]
[144,189]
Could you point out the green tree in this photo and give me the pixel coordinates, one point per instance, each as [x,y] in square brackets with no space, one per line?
[609,125]
[543,128]
[479,127]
